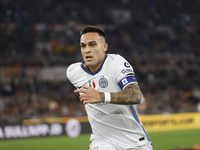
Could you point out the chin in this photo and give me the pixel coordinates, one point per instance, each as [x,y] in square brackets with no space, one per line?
[89,64]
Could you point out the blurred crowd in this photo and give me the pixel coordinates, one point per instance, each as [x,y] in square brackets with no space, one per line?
[161,40]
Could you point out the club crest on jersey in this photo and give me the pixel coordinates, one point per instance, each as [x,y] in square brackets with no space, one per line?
[103,82]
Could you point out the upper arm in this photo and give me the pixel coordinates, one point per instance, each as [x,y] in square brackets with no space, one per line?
[123,72]
[126,80]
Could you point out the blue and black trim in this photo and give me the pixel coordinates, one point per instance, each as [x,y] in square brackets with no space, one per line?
[99,69]
[138,120]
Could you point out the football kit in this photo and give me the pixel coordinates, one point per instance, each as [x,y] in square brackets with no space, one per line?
[116,124]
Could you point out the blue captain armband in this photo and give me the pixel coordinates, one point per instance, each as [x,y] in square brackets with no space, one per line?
[127,80]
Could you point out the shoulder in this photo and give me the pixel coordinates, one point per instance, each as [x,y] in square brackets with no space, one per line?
[72,70]
[120,67]
[117,59]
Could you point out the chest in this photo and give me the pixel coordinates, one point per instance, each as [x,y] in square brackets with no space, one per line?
[102,82]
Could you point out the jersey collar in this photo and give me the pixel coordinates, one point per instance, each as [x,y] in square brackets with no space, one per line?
[99,69]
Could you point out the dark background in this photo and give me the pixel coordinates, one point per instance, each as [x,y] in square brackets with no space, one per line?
[40,39]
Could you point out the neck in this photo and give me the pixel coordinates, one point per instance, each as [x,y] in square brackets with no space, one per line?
[95,68]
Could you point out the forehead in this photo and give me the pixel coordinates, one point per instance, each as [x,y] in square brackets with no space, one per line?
[91,36]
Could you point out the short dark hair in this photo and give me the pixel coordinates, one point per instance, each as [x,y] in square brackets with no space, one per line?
[88,29]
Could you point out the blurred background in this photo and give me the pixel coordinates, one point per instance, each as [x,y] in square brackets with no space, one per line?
[39,39]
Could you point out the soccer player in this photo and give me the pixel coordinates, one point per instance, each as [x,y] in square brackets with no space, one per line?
[108,89]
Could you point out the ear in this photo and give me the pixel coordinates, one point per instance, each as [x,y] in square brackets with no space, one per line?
[105,47]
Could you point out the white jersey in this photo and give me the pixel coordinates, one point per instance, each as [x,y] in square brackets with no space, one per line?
[112,123]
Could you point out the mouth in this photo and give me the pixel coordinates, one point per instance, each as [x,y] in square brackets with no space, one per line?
[88,58]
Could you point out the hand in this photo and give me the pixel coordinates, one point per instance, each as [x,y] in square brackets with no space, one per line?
[88,95]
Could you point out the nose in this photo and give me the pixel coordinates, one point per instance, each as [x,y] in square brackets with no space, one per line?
[87,49]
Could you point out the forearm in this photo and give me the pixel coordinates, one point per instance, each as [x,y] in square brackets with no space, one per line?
[130,95]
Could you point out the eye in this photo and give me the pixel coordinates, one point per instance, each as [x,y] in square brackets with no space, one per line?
[93,44]
[82,46]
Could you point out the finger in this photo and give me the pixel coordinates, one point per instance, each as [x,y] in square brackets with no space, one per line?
[81,100]
[85,102]
[76,91]
[85,87]
[82,97]
[79,91]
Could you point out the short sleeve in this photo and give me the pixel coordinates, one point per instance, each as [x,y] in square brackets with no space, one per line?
[71,72]
[123,72]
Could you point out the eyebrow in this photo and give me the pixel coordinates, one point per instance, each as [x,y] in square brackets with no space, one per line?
[89,42]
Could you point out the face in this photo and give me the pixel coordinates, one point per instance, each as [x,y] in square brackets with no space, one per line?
[93,48]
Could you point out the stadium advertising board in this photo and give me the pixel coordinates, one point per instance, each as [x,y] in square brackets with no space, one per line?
[72,128]
[164,122]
